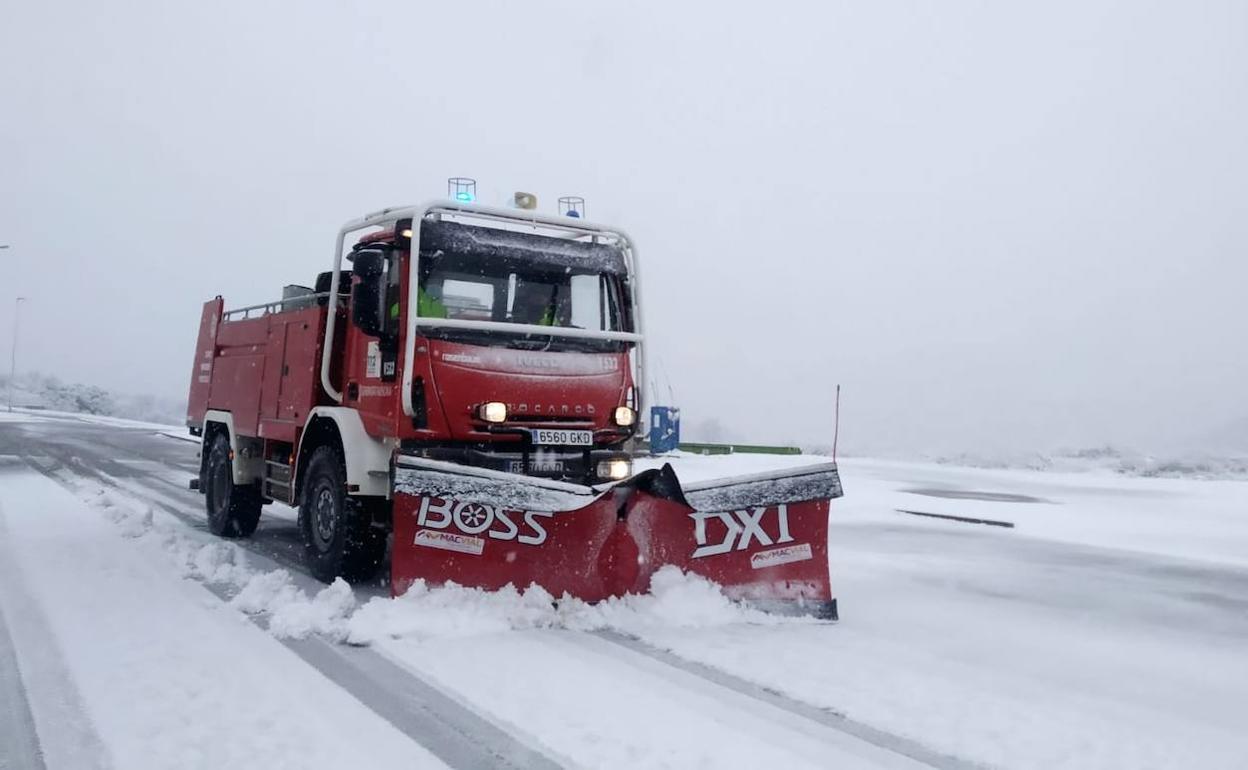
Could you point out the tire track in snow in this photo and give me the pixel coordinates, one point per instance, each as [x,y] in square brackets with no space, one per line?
[827,718]
[456,734]
[40,691]
[19,743]
[459,736]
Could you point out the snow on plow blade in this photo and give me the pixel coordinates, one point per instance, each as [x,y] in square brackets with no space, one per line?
[762,538]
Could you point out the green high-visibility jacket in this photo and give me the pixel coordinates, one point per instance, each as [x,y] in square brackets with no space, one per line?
[426,306]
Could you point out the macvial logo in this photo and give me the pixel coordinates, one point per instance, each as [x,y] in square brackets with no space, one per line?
[472,518]
[785,554]
[740,529]
[449,541]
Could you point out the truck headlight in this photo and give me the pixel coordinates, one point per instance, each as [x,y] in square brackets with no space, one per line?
[493,411]
[625,416]
[615,469]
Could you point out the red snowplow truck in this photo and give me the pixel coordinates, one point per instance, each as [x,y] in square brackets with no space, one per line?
[466,395]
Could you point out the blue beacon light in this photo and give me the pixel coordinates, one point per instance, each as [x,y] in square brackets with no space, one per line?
[462,189]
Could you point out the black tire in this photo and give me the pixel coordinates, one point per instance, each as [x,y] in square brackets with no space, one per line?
[339,539]
[233,511]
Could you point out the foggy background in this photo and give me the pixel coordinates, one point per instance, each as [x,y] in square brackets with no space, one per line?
[998,226]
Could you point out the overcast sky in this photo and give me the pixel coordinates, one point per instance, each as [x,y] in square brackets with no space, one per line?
[998,225]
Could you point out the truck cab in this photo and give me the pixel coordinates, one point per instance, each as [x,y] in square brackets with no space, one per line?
[491,342]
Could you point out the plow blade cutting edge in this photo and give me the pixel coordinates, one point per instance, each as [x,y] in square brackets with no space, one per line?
[763,538]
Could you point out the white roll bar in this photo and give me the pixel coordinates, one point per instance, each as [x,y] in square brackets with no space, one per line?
[536,329]
[576,227]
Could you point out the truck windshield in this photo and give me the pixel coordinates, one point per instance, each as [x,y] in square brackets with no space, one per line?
[508,290]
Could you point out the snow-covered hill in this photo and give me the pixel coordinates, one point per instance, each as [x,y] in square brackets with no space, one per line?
[40,391]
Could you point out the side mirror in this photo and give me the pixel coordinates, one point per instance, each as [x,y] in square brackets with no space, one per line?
[368,293]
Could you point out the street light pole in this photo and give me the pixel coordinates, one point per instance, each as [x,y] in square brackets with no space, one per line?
[13,366]
[17,310]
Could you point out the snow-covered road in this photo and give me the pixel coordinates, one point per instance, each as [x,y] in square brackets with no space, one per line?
[1106,630]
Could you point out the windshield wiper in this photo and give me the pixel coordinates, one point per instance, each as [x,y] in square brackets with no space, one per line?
[528,343]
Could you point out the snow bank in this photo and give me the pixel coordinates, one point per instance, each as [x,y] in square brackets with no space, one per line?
[676,600]
[290,612]
[451,611]
[680,600]
[325,614]
[217,563]
[266,592]
[19,415]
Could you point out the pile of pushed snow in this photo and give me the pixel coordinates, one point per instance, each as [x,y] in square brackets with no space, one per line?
[423,612]
[676,599]
[452,611]
[682,600]
[216,562]
[291,614]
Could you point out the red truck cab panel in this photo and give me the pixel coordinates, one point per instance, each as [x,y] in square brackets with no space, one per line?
[566,389]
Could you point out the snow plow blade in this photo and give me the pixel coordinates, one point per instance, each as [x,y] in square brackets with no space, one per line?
[762,538]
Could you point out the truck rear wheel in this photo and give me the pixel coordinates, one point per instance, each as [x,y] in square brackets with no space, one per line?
[233,511]
[339,539]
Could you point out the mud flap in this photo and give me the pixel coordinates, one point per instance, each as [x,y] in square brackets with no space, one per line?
[762,538]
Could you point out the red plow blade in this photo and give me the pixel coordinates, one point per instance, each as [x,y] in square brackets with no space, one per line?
[762,538]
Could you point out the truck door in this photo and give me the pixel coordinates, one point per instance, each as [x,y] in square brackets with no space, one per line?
[274,363]
[300,369]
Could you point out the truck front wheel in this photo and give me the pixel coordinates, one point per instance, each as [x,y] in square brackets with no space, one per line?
[339,539]
[233,511]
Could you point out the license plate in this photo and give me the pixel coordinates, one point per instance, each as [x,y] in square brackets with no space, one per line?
[563,437]
[535,466]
